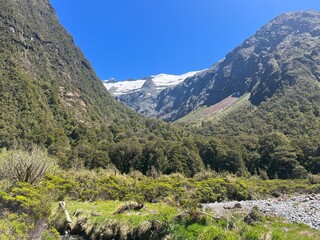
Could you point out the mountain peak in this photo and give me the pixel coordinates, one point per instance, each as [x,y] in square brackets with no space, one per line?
[282,52]
[161,81]
[149,86]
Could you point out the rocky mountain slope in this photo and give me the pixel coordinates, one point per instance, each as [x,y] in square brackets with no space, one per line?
[141,94]
[281,53]
[51,97]
[284,51]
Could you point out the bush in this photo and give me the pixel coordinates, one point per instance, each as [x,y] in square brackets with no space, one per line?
[34,201]
[23,166]
[14,226]
[314,179]
[253,216]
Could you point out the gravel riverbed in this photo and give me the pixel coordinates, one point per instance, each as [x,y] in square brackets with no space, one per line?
[302,208]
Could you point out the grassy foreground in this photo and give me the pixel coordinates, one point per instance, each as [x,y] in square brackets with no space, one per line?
[98,220]
[168,206]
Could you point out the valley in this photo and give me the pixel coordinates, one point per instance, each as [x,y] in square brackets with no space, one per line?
[244,129]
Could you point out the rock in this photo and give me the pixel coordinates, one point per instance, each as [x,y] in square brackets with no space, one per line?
[278,54]
[129,206]
[237,205]
[95,214]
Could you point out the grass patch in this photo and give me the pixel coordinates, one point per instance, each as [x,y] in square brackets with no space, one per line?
[100,217]
[101,211]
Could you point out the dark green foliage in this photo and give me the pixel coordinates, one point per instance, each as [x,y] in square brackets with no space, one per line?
[223,156]
[280,137]
[124,155]
[51,97]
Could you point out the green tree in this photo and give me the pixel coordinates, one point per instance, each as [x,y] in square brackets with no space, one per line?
[267,145]
[283,163]
[214,154]
[153,156]
[125,155]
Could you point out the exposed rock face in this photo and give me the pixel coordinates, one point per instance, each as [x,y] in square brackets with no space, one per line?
[143,100]
[141,94]
[284,51]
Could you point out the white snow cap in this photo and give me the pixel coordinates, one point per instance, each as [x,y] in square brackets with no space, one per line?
[161,81]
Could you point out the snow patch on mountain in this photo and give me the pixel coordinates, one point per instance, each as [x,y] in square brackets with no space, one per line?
[123,87]
[161,82]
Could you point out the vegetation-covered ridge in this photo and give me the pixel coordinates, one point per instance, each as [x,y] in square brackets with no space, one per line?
[55,115]
[51,97]
[277,133]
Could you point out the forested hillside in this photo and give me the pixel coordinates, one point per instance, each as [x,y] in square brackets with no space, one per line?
[51,97]
[281,132]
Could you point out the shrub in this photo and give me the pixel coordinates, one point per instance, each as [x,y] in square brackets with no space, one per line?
[23,166]
[314,179]
[14,226]
[28,199]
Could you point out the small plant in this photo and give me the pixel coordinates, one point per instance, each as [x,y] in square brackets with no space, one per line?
[277,234]
[263,175]
[251,235]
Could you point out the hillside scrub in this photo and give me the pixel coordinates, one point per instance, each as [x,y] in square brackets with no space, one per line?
[174,189]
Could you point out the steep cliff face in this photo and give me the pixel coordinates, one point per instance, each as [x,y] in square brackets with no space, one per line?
[281,53]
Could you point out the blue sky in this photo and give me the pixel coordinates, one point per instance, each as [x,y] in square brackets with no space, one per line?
[136,38]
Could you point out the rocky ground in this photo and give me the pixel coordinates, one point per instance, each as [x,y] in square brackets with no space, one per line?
[302,208]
